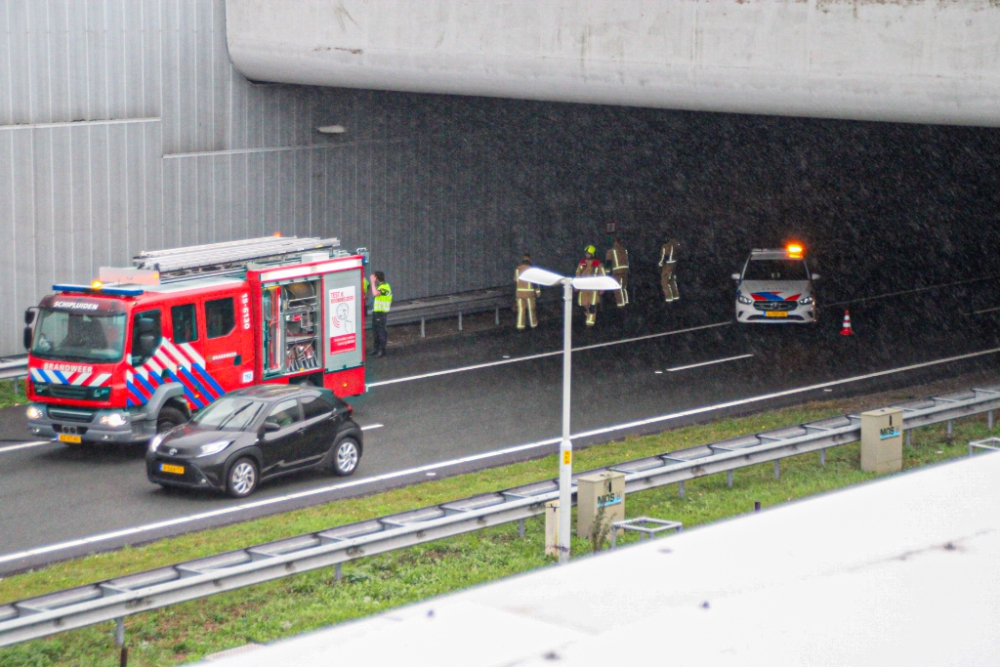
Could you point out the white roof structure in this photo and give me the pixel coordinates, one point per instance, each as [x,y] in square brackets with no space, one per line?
[901,571]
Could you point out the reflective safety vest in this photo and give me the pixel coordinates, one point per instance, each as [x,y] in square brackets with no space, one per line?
[617,256]
[383,298]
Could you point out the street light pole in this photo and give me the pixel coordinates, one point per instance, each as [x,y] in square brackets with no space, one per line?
[566,445]
[586,283]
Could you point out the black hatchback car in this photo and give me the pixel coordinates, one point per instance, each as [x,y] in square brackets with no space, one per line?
[253,434]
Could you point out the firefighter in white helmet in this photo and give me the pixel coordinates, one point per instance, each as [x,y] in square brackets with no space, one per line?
[589,299]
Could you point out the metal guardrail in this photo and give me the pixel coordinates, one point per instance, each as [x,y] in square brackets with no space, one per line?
[464,303]
[12,368]
[116,598]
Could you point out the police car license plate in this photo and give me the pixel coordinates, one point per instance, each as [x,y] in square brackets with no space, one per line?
[68,437]
[776,313]
[177,470]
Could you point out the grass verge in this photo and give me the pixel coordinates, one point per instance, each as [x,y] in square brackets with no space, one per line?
[278,609]
[8,398]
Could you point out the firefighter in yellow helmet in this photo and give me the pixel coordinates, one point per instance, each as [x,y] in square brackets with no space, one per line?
[668,261]
[588,300]
[526,295]
[617,261]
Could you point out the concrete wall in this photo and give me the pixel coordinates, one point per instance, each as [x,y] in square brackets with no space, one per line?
[926,61]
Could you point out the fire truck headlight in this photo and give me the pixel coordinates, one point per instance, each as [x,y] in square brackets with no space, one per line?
[115,419]
[34,412]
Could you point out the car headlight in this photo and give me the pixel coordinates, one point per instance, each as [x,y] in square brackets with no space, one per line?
[805,301]
[35,412]
[115,419]
[742,298]
[213,447]
[154,444]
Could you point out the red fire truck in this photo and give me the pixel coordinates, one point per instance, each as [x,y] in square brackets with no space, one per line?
[138,350]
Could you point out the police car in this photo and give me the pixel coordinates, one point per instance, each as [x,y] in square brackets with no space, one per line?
[776,286]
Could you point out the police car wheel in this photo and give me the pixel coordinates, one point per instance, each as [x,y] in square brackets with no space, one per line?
[168,419]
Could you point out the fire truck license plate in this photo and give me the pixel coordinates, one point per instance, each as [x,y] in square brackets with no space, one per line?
[177,470]
[66,437]
[776,313]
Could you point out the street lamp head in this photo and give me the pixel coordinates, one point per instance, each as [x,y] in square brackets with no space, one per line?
[588,283]
[539,276]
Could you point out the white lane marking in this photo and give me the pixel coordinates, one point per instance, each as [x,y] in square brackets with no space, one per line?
[541,355]
[988,310]
[369,427]
[709,363]
[25,445]
[52,548]
[909,291]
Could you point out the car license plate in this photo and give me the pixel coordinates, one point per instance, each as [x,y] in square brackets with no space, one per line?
[776,313]
[177,470]
[67,437]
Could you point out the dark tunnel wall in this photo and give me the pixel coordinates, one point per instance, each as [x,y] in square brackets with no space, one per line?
[880,207]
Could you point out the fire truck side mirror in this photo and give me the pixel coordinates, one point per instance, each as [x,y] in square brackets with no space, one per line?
[27,338]
[29,315]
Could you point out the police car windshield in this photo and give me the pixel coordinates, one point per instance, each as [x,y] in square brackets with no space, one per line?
[97,337]
[776,269]
[228,414]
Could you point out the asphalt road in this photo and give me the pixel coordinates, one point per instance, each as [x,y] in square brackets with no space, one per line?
[682,362]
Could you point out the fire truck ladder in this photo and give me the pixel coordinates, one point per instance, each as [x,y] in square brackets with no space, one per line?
[230,256]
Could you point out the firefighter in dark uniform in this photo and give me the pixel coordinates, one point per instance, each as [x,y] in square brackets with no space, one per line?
[383,302]
[588,300]
[668,261]
[526,295]
[616,260]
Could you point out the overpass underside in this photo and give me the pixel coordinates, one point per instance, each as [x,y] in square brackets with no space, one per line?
[917,61]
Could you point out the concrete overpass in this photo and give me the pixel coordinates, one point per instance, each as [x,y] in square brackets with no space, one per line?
[915,61]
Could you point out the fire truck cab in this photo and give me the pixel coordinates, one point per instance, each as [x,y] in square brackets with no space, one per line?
[141,348]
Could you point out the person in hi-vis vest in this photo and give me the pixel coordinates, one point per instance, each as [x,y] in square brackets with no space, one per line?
[526,295]
[383,302]
[616,261]
[668,261]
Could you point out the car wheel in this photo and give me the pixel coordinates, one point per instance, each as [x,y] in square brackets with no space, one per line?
[242,478]
[168,419]
[346,454]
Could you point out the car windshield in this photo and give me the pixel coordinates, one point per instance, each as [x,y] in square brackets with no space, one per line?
[776,269]
[97,337]
[228,414]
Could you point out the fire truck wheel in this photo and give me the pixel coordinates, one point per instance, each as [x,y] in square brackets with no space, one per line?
[169,418]
[345,458]
[242,478]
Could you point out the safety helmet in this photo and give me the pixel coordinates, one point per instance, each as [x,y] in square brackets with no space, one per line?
[591,249]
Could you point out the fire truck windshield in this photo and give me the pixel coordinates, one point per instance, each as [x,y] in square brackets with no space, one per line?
[77,335]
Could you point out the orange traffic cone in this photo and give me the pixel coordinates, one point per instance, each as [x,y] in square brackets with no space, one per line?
[847,330]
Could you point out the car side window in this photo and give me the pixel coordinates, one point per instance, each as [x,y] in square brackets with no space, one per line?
[284,413]
[313,406]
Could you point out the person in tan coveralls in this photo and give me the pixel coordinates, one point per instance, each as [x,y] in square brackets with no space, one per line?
[668,260]
[526,295]
[588,299]
[617,260]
